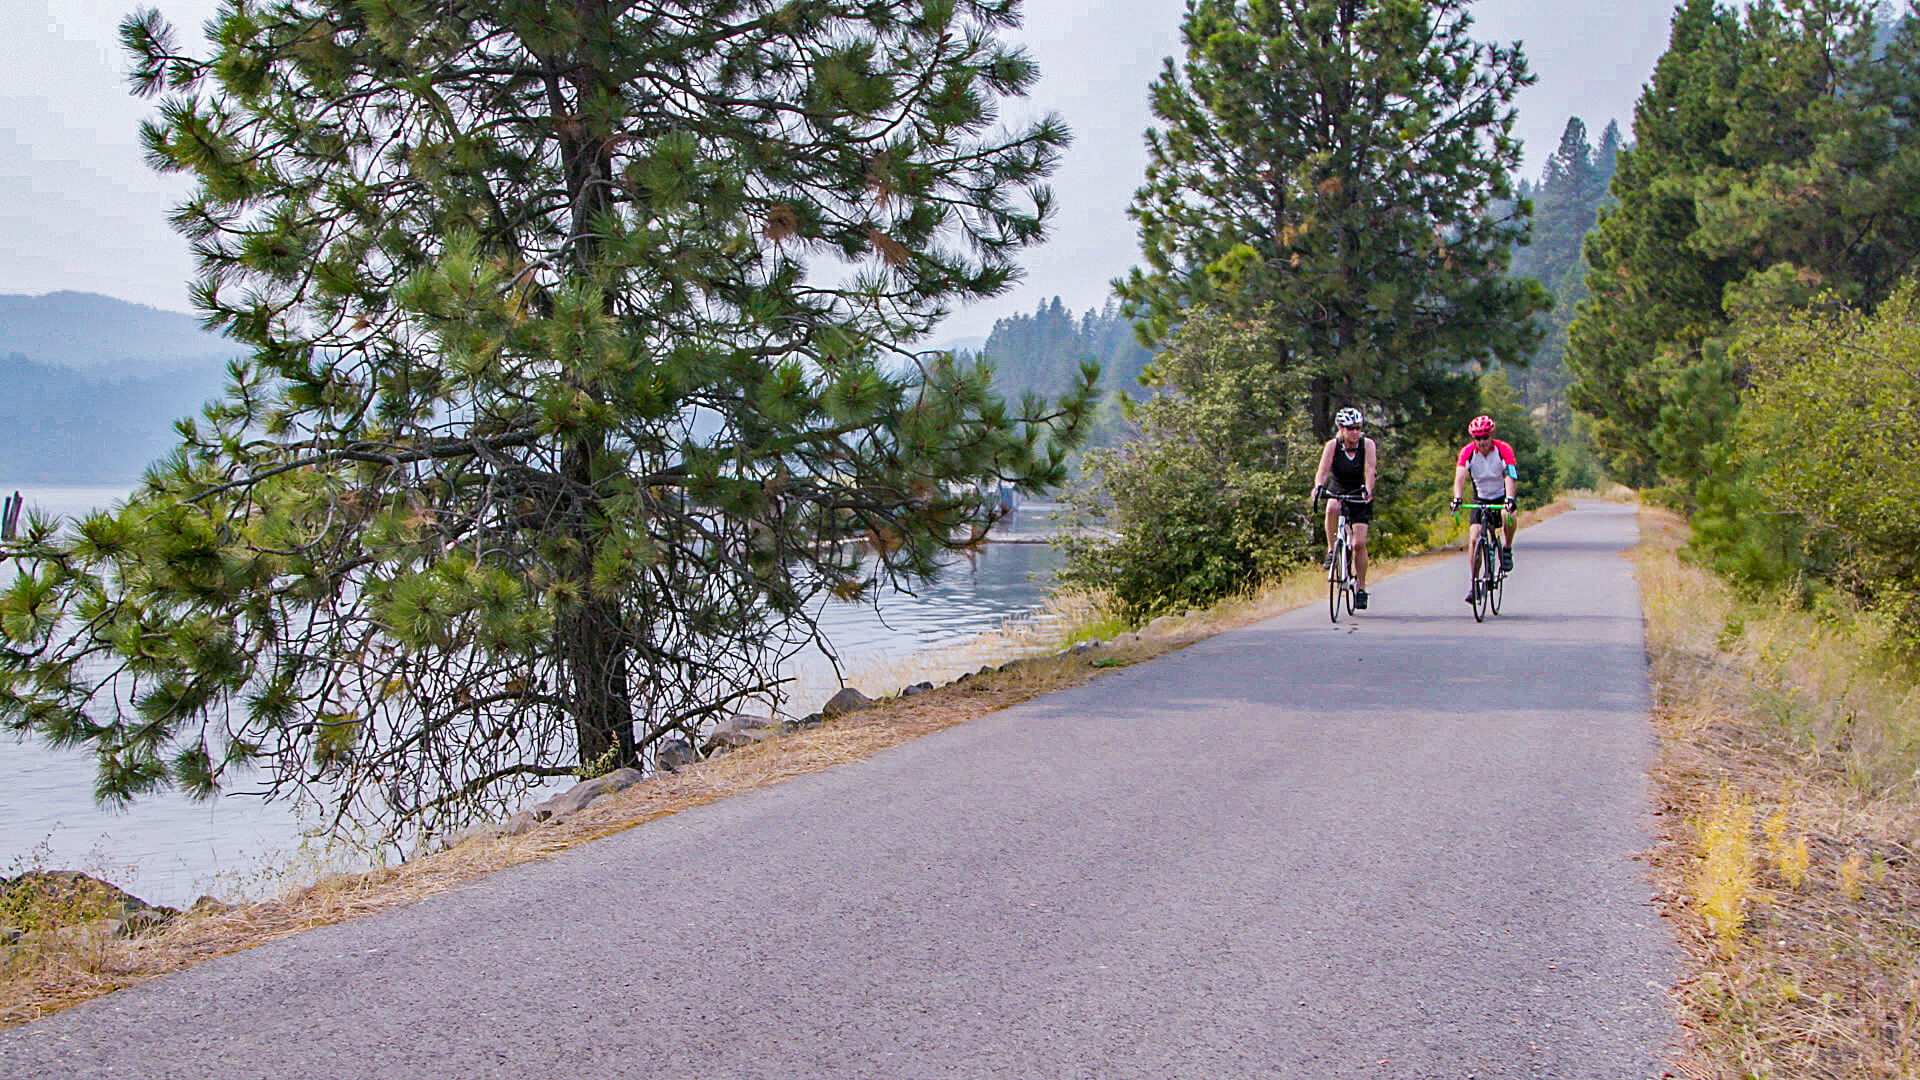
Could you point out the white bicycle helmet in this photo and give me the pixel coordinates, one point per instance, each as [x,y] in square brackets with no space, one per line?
[1348,417]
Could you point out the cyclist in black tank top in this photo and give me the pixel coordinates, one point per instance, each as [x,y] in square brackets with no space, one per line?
[1348,465]
[1349,472]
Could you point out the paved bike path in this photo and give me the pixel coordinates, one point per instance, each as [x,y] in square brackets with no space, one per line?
[1401,847]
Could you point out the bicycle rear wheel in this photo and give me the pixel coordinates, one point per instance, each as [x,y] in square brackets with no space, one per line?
[1347,588]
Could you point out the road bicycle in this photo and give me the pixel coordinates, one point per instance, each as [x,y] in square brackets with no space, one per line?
[1483,568]
[1340,583]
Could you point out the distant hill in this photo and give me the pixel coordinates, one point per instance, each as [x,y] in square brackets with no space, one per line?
[107,337]
[90,386]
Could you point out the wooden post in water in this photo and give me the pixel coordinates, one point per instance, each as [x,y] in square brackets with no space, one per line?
[10,515]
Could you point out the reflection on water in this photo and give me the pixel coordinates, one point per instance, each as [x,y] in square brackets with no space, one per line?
[885,646]
[169,850]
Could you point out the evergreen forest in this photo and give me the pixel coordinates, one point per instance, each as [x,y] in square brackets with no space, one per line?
[1044,353]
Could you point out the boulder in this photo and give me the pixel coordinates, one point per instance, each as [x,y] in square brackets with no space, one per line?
[674,755]
[142,919]
[736,731]
[576,798]
[522,822]
[489,831]
[848,700]
[68,898]
[812,719]
[916,689]
[209,905]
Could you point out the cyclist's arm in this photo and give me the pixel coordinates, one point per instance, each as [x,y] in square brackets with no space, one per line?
[1512,477]
[1459,480]
[1326,466]
[1373,461]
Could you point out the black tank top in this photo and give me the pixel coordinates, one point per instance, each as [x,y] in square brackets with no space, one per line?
[1349,467]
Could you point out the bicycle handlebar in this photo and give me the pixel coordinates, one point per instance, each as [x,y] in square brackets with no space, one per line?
[1501,506]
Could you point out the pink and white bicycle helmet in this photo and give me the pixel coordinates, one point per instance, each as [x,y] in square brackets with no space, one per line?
[1481,425]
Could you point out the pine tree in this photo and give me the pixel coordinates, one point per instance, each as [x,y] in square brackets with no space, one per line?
[1109,335]
[1343,164]
[563,404]
[1606,159]
[1564,207]
[1774,161]
[1567,202]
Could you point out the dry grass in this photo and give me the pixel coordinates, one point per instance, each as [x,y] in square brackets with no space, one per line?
[1805,724]
[1022,661]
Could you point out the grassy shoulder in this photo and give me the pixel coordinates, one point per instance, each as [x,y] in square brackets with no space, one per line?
[63,970]
[1788,790]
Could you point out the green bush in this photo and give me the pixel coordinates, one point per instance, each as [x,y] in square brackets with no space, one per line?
[1826,437]
[1212,498]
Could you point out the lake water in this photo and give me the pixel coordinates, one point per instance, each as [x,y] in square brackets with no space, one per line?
[169,850]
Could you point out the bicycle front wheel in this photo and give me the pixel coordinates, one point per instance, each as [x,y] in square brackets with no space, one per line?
[1483,584]
[1334,581]
[1496,585]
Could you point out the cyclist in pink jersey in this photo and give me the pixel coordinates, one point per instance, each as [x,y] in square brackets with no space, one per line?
[1489,463]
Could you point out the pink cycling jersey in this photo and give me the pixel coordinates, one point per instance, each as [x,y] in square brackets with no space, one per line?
[1489,470]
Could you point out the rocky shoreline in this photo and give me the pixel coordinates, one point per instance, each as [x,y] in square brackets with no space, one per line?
[46,910]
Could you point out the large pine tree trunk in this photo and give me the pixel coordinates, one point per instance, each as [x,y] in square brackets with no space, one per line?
[593,653]
[591,637]
[593,644]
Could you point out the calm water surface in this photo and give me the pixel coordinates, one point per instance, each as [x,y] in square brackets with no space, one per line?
[169,850]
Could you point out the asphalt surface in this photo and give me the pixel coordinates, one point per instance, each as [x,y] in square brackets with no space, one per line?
[1401,847]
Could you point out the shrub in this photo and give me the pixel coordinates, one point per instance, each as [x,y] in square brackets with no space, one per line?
[1212,498]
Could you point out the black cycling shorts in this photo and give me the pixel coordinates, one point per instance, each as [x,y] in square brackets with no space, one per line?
[1359,513]
[1488,516]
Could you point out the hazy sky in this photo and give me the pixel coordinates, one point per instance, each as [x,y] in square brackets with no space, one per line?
[80,210]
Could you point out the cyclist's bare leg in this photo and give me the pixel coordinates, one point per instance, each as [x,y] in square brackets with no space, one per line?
[1333,521]
[1359,534]
[1513,523]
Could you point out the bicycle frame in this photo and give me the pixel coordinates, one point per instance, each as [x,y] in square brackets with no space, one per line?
[1485,577]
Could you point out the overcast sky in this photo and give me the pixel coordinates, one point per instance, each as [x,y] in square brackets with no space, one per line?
[80,210]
